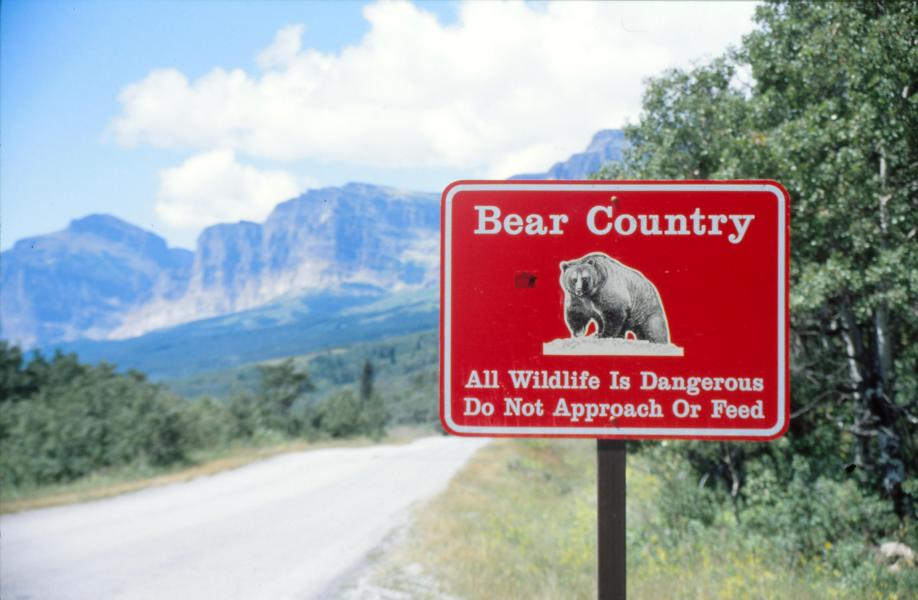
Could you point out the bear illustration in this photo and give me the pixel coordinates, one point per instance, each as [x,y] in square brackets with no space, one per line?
[619,299]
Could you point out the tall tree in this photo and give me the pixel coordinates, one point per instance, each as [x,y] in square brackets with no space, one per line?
[821,97]
[281,386]
[366,381]
[373,409]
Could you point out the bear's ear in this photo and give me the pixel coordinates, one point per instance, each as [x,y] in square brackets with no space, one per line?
[591,261]
[565,265]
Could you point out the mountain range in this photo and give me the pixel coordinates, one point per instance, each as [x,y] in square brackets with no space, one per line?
[102,278]
[606,146]
[104,287]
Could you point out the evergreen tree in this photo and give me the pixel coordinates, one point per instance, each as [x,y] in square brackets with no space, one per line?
[366,381]
[373,410]
[830,111]
[281,386]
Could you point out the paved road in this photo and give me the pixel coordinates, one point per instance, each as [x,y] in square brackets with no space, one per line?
[282,528]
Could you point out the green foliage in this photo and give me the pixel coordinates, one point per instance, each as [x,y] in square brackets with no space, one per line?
[212,423]
[82,418]
[343,414]
[16,381]
[519,521]
[810,511]
[373,409]
[366,380]
[414,400]
[397,379]
[821,97]
[282,385]
[685,505]
[375,417]
[20,380]
[401,367]
[809,526]
[340,415]
[281,406]
[245,414]
[62,420]
[797,534]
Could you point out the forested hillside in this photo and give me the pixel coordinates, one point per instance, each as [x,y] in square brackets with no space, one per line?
[405,373]
[821,97]
[62,420]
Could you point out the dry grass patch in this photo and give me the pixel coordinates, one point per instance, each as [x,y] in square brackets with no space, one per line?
[519,521]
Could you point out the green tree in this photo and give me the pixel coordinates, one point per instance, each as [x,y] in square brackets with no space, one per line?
[245,414]
[20,380]
[341,415]
[373,409]
[821,97]
[366,381]
[83,418]
[14,381]
[281,386]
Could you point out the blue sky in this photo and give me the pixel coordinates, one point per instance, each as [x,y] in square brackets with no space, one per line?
[174,116]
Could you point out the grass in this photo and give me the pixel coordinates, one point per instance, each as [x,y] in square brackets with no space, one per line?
[519,521]
[113,482]
[706,563]
[483,538]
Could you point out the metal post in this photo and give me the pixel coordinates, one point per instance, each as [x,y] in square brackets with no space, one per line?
[610,474]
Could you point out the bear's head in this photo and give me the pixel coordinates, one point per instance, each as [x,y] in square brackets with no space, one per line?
[580,277]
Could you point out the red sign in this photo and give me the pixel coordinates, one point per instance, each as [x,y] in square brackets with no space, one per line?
[615,309]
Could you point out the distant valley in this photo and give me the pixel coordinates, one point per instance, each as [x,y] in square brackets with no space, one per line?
[288,327]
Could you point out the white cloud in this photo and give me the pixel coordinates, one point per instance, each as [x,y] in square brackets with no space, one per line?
[283,52]
[213,186]
[509,87]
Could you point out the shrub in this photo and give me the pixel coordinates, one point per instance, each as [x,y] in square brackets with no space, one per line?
[340,415]
[95,420]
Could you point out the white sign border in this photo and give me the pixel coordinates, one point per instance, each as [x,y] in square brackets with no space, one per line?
[446,306]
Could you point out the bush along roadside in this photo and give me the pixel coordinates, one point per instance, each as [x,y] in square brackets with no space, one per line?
[519,521]
[62,420]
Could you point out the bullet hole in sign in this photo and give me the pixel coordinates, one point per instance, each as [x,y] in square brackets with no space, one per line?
[522,279]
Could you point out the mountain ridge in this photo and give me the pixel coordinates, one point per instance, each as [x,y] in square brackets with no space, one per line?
[76,282]
[103,278]
[606,145]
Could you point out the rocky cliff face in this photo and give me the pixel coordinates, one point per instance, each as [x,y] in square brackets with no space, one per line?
[606,146]
[383,238]
[102,278]
[78,282]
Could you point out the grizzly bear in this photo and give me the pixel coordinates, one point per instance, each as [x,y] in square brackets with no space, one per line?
[619,299]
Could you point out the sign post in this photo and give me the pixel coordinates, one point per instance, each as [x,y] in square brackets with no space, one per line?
[614,310]
[610,509]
